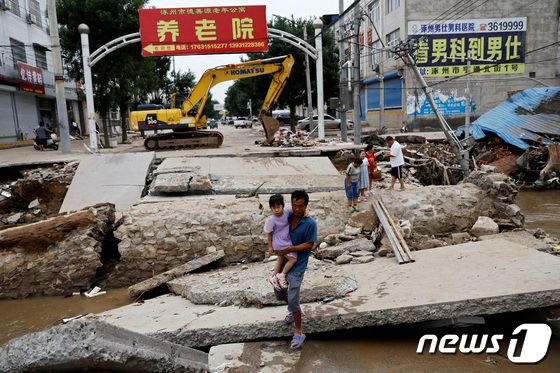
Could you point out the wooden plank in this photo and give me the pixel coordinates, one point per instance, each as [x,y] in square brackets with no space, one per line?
[389,232]
[407,254]
[135,291]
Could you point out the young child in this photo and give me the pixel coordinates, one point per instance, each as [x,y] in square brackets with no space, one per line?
[364,177]
[351,184]
[277,228]
[371,163]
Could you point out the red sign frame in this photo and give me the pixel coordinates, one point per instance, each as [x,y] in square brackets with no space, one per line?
[31,78]
[203,30]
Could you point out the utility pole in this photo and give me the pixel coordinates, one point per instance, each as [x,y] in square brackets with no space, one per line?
[308,82]
[356,77]
[381,90]
[342,88]
[250,105]
[460,152]
[59,80]
[468,107]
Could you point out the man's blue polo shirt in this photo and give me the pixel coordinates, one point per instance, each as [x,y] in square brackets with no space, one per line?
[305,231]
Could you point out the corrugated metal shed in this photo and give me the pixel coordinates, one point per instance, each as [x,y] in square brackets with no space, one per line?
[515,120]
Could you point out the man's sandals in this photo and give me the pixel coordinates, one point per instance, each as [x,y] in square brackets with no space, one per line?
[297,341]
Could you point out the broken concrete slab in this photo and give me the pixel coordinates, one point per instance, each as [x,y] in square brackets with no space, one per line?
[250,287]
[55,256]
[244,175]
[137,290]
[181,183]
[89,344]
[115,178]
[523,237]
[476,278]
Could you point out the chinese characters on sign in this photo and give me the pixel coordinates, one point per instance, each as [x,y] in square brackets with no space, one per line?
[495,46]
[203,30]
[31,79]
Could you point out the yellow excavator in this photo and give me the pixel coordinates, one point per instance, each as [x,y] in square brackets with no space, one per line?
[187,121]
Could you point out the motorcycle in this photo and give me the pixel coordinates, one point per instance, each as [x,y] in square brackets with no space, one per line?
[51,143]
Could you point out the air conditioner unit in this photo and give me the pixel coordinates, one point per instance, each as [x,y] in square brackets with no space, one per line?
[31,18]
[5,5]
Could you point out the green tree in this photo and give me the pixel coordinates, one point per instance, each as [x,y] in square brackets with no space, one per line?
[294,93]
[122,77]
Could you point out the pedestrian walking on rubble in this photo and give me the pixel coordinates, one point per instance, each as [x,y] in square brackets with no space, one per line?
[351,184]
[364,177]
[303,232]
[397,161]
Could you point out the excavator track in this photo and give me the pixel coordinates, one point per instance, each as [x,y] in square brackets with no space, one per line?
[184,140]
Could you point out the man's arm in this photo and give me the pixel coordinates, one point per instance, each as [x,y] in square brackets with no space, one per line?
[301,247]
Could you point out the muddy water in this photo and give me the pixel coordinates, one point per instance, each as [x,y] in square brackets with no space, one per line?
[542,210]
[19,317]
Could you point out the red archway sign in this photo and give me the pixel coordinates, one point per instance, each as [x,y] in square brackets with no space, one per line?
[203,30]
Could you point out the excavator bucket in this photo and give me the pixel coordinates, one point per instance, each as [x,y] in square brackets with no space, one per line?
[270,125]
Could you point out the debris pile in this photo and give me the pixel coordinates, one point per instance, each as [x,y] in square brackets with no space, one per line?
[36,196]
[286,138]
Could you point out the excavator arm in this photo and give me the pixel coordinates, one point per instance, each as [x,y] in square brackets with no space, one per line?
[211,77]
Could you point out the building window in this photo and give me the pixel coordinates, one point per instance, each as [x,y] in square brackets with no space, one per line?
[393,38]
[40,57]
[392,5]
[13,6]
[18,52]
[375,12]
[35,11]
[375,53]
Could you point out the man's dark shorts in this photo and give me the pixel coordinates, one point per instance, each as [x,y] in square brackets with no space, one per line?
[396,172]
[41,141]
[291,294]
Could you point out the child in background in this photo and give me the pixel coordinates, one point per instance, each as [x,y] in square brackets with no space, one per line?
[351,184]
[277,228]
[371,163]
[364,177]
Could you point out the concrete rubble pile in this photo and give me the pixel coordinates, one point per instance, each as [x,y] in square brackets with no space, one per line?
[184,229]
[35,196]
[286,138]
[56,256]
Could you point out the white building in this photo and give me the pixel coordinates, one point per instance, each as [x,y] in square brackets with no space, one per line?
[27,90]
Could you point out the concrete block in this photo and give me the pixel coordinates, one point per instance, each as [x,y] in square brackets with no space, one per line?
[94,345]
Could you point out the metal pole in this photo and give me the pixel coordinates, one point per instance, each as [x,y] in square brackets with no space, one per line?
[320,99]
[381,90]
[59,80]
[250,109]
[460,152]
[308,81]
[356,78]
[468,108]
[342,88]
[84,31]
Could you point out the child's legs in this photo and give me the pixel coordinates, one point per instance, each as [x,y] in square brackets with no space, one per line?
[278,264]
[291,261]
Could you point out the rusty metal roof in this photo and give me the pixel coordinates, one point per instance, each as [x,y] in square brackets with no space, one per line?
[518,119]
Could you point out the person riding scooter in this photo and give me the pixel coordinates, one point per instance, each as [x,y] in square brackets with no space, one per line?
[45,138]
